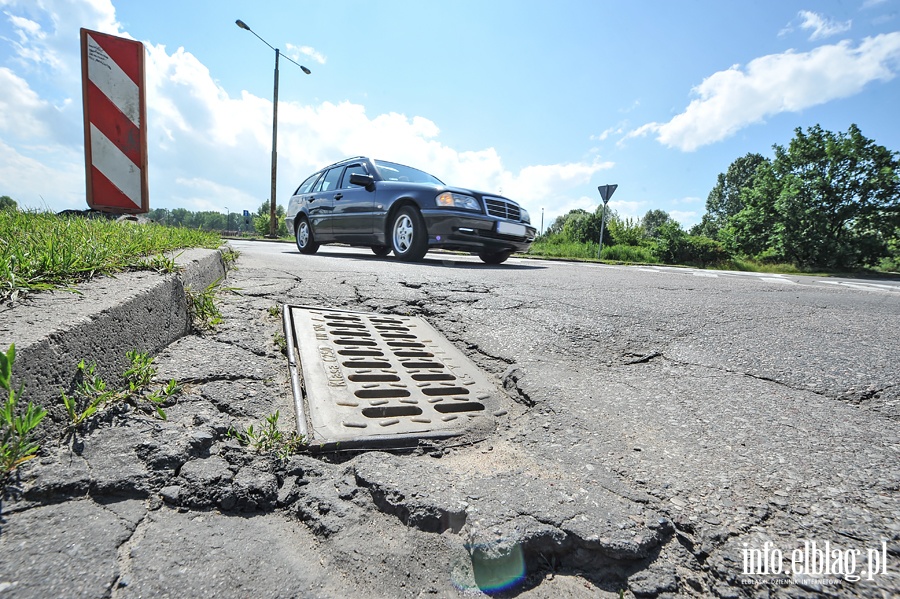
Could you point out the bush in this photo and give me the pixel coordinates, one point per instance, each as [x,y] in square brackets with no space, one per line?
[556,246]
[674,246]
[625,232]
[703,251]
[582,228]
[628,253]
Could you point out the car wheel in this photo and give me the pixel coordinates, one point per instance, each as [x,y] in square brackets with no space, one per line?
[409,239]
[494,257]
[381,250]
[306,242]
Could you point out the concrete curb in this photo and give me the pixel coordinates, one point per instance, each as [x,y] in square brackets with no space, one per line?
[100,322]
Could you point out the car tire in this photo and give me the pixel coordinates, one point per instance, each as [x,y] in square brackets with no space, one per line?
[494,257]
[381,250]
[409,237]
[306,242]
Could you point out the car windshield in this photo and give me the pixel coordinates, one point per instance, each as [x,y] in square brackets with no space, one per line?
[391,171]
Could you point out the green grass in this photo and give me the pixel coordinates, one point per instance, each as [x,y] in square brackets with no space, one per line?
[569,250]
[555,248]
[41,251]
[17,424]
[564,249]
[628,253]
[202,306]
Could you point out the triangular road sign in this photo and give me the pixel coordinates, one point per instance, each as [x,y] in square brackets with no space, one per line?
[606,192]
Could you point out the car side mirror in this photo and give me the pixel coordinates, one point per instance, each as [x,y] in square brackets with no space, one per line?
[367,181]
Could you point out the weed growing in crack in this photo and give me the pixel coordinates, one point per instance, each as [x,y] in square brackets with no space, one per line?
[91,392]
[202,306]
[229,257]
[281,343]
[16,426]
[90,395]
[159,263]
[267,438]
[274,311]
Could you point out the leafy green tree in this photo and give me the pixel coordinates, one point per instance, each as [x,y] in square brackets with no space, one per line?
[670,241]
[830,200]
[750,231]
[653,220]
[583,227]
[7,202]
[555,228]
[263,216]
[625,232]
[180,217]
[725,200]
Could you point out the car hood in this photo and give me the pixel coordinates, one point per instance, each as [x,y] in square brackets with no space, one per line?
[473,192]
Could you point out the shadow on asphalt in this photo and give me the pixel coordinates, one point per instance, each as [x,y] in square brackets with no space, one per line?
[429,260]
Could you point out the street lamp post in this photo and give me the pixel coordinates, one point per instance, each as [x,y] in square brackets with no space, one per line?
[272,217]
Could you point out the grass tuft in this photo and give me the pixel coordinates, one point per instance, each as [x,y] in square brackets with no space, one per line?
[267,438]
[92,394]
[202,306]
[16,425]
[41,250]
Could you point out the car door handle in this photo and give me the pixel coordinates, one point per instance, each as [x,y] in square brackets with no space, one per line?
[338,196]
[311,199]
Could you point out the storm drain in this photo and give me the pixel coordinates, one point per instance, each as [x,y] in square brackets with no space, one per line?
[373,380]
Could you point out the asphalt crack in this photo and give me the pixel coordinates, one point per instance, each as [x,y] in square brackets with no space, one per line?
[124,560]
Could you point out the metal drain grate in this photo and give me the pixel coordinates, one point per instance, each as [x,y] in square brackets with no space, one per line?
[373,380]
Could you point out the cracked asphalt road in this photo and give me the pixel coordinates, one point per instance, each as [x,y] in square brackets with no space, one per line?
[660,425]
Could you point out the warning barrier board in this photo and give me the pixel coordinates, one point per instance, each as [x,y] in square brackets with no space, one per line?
[115,123]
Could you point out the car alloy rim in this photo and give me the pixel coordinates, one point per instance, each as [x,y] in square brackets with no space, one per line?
[303,234]
[403,233]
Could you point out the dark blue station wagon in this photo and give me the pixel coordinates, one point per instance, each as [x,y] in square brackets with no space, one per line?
[390,207]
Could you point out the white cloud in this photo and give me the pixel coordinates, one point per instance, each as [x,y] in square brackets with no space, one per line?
[295,52]
[208,149]
[22,112]
[629,209]
[686,200]
[821,26]
[618,130]
[53,178]
[872,3]
[685,218]
[735,98]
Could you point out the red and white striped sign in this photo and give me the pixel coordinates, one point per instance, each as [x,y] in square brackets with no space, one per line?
[115,123]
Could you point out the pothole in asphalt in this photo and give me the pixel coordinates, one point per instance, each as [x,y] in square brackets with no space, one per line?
[366,380]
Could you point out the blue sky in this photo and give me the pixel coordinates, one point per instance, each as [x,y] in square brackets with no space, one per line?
[543,101]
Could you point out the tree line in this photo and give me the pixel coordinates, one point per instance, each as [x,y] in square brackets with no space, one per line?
[826,201]
[207,220]
[255,224]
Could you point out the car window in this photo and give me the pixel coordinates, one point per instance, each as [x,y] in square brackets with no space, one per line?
[391,171]
[353,168]
[330,180]
[307,185]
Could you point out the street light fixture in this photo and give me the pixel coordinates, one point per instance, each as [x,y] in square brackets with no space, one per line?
[272,217]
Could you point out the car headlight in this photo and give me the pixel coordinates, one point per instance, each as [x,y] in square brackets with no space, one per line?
[457,200]
[526,218]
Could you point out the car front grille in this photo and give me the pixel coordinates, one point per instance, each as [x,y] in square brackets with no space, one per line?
[503,209]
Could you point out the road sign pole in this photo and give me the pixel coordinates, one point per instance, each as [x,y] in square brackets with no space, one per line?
[602,228]
[606,192]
